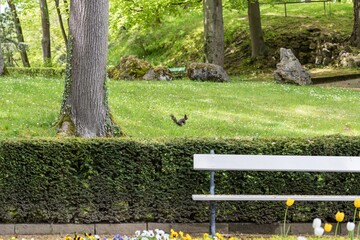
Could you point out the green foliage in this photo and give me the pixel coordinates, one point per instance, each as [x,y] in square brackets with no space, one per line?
[129,68]
[112,180]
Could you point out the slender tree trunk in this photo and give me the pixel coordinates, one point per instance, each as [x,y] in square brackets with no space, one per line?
[214,32]
[19,34]
[355,35]
[45,23]
[85,110]
[63,32]
[256,34]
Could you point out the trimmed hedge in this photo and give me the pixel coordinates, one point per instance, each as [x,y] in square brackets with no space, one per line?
[37,72]
[117,180]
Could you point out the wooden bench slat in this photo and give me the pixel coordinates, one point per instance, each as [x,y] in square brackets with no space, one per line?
[276,163]
[335,198]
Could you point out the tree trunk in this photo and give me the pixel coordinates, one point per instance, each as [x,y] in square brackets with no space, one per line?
[63,32]
[214,32]
[45,24]
[355,36]
[85,110]
[257,39]
[19,34]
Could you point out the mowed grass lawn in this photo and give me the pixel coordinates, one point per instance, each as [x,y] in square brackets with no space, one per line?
[30,105]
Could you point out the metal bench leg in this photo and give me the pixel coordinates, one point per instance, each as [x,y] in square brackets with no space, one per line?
[212,204]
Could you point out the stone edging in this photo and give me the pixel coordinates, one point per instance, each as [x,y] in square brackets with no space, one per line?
[130,228]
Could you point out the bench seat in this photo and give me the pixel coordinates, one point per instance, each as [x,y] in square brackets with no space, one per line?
[219,197]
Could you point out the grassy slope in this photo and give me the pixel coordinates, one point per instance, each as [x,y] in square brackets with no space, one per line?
[179,39]
[236,109]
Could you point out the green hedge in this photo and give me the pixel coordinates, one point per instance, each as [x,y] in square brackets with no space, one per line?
[119,180]
[38,72]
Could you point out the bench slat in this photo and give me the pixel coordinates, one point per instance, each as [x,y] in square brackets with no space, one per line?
[219,197]
[276,163]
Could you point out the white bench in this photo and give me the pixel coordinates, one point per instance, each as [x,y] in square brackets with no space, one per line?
[271,163]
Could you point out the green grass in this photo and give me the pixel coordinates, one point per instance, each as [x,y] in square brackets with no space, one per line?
[142,108]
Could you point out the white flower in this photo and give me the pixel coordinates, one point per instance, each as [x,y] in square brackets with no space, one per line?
[144,238]
[158,237]
[301,238]
[126,237]
[166,236]
[97,237]
[316,223]
[137,233]
[151,233]
[145,234]
[319,231]
[160,232]
[350,226]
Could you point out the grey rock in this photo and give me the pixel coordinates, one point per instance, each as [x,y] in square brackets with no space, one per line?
[158,73]
[289,69]
[207,72]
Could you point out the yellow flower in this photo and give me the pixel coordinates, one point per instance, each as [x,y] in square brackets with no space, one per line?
[206,235]
[218,235]
[174,234]
[327,227]
[181,234]
[188,237]
[232,238]
[290,202]
[357,203]
[340,216]
[68,238]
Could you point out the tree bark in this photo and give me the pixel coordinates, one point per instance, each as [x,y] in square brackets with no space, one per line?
[45,24]
[85,110]
[214,32]
[61,22]
[256,34]
[355,35]
[19,34]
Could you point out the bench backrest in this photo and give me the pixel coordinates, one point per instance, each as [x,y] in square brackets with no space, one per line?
[276,163]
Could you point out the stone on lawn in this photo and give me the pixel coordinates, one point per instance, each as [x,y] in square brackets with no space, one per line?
[207,72]
[158,73]
[289,69]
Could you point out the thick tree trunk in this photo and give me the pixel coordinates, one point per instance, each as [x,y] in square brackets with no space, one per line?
[85,110]
[257,39]
[61,22]
[45,24]
[19,34]
[355,36]
[214,32]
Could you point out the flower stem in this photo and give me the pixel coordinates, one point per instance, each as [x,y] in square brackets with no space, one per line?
[355,214]
[284,230]
[336,229]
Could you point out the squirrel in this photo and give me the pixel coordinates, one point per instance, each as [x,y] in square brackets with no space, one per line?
[179,122]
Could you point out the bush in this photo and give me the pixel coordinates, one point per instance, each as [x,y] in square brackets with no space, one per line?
[117,180]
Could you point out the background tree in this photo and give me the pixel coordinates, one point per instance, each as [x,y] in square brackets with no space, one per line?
[355,35]
[256,34]
[214,32]
[19,34]
[45,24]
[61,22]
[85,111]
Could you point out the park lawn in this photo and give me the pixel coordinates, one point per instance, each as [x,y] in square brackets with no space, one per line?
[30,106]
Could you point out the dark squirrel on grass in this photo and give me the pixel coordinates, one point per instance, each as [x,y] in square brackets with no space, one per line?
[179,122]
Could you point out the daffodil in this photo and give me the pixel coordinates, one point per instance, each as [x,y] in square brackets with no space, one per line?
[339,216]
[181,234]
[327,227]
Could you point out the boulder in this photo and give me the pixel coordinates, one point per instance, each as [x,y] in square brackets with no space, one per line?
[129,68]
[347,59]
[289,69]
[207,72]
[158,73]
